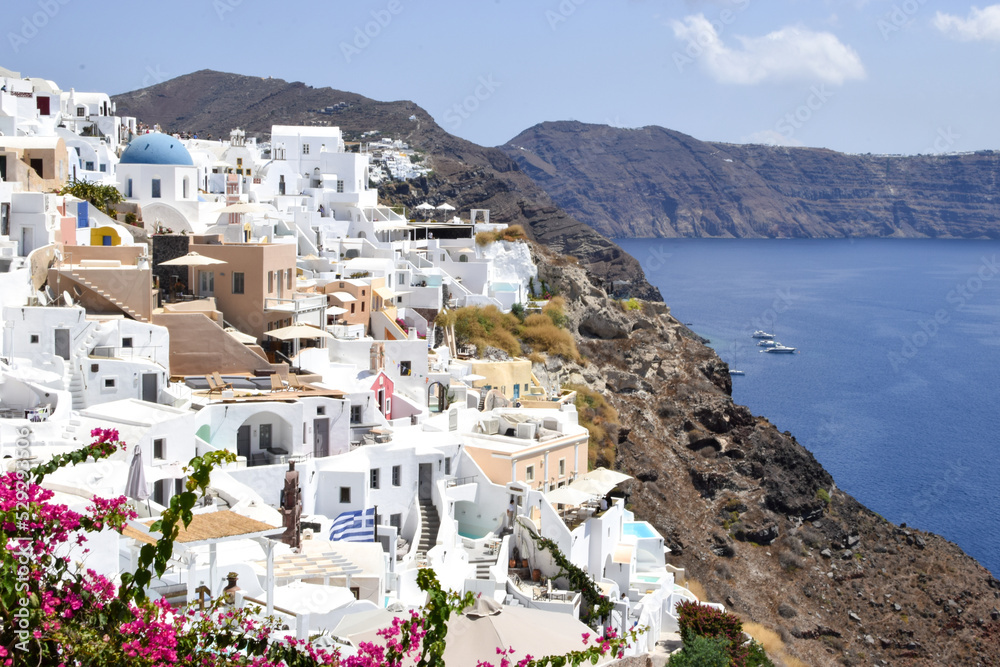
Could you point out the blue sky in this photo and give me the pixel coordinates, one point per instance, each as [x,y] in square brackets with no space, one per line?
[884,76]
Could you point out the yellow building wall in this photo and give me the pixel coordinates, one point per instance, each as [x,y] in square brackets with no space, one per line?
[97,235]
[503,375]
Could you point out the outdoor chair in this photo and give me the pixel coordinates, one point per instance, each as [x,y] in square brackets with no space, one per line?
[219,382]
[276,383]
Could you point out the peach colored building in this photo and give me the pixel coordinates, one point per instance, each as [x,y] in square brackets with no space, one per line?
[354,295]
[106,279]
[543,462]
[256,287]
[40,163]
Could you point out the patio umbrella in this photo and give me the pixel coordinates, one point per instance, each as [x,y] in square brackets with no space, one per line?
[424,207]
[606,476]
[135,483]
[298,331]
[446,207]
[567,495]
[192,259]
[335,310]
[592,486]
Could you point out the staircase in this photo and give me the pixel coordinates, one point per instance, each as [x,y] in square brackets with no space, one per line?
[430,522]
[483,569]
[107,297]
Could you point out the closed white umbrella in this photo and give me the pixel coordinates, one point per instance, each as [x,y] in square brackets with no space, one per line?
[135,483]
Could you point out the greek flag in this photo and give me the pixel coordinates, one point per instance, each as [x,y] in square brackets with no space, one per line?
[357,526]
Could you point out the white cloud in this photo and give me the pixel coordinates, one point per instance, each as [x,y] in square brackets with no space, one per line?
[789,54]
[981,24]
[770,138]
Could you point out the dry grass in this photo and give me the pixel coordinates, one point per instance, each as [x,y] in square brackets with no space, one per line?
[544,336]
[512,233]
[536,358]
[484,327]
[697,589]
[772,643]
[598,417]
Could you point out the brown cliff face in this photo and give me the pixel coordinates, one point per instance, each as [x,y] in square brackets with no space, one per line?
[466,175]
[739,504]
[654,182]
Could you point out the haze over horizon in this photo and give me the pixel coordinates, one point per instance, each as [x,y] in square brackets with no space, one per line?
[851,75]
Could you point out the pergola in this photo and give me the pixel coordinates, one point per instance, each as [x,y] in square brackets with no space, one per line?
[210,529]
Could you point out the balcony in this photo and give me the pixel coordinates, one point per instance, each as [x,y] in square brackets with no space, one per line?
[299,305]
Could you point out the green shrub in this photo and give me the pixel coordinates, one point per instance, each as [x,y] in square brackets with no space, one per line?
[702,652]
[823,495]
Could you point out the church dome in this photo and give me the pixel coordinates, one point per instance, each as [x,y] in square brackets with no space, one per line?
[156,148]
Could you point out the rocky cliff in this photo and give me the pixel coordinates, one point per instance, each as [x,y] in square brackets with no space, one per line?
[654,182]
[754,517]
[466,175]
[745,508]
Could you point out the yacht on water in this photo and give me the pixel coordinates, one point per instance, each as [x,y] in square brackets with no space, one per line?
[768,343]
[780,349]
[762,334]
[735,372]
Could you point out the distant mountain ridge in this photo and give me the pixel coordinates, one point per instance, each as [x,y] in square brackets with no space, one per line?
[655,182]
[465,174]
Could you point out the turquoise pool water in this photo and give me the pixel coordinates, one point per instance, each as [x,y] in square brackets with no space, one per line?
[638,529]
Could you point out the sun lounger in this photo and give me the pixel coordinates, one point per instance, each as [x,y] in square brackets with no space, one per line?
[276,383]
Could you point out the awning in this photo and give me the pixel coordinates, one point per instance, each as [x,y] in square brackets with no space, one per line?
[386,293]
[622,554]
[344,297]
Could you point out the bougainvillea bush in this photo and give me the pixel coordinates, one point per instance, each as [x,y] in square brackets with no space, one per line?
[57,612]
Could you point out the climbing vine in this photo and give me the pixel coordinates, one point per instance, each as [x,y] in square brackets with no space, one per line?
[596,606]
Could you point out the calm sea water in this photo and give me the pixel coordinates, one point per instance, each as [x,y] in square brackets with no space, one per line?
[896,384]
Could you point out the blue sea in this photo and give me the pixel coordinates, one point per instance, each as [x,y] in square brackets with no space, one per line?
[895,386]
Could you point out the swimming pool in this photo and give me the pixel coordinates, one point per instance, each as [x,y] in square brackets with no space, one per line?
[638,529]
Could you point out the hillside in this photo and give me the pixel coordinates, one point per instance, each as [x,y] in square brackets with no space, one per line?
[746,509]
[466,175]
[654,182]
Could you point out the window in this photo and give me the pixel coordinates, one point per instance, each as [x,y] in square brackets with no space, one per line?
[156,188]
[127,341]
[340,186]
[305,149]
[81,112]
[397,472]
[352,309]
[128,188]
[396,521]
[356,414]
[89,165]
[345,494]
[34,339]
[362,306]
[179,486]
[562,467]
[158,444]
[373,478]
[206,282]
[321,410]
[94,368]
[529,473]
[109,383]
[289,279]
[447,466]
[103,168]
[404,369]
[239,282]
[270,281]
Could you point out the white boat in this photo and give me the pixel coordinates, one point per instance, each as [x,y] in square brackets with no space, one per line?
[733,372]
[768,343]
[780,349]
[762,334]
